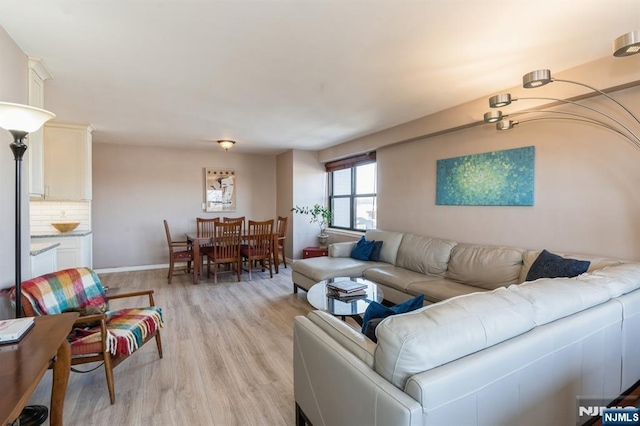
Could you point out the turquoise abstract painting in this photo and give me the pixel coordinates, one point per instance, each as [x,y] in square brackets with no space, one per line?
[499,178]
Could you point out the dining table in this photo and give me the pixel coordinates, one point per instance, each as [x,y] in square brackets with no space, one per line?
[198,240]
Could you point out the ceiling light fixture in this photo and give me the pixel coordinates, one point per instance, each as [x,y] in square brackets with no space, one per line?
[627,44]
[226,144]
[539,78]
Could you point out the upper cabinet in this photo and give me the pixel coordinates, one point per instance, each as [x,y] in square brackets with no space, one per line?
[38,73]
[67,161]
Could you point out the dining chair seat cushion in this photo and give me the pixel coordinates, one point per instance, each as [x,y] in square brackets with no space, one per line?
[127,330]
[182,255]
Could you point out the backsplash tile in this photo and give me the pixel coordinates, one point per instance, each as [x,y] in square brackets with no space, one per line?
[42,213]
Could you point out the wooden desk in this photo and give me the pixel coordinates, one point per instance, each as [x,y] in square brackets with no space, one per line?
[197,240]
[23,364]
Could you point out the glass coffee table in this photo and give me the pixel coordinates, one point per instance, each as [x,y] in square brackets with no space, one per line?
[317,297]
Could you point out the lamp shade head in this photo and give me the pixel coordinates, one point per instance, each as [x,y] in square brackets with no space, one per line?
[493,116]
[536,78]
[500,100]
[627,44]
[505,124]
[22,118]
[226,144]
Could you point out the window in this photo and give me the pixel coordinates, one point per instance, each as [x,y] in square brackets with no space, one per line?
[352,192]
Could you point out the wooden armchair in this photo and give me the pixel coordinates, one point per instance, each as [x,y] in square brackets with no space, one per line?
[108,336]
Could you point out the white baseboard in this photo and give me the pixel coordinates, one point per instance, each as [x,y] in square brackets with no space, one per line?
[131,268]
[145,268]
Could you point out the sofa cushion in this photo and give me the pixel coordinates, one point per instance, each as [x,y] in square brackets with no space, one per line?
[362,249]
[555,298]
[325,267]
[342,249]
[622,279]
[549,265]
[440,289]
[424,254]
[484,266]
[391,242]
[395,277]
[436,334]
[375,253]
[529,256]
[377,310]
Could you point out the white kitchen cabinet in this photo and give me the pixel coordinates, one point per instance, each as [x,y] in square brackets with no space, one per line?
[67,161]
[73,251]
[43,261]
[38,73]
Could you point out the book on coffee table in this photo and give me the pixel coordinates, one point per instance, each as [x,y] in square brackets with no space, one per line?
[342,295]
[346,286]
[13,330]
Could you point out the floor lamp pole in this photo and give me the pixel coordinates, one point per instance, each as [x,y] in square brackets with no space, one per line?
[19,148]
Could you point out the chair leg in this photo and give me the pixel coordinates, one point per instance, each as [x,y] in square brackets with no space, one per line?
[284,256]
[238,268]
[270,266]
[108,368]
[170,275]
[215,272]
[159,343]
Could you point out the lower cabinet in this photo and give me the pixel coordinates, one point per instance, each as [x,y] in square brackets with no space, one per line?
[73,251]
[44,263]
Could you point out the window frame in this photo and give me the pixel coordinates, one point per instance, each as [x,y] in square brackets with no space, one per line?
[350,163]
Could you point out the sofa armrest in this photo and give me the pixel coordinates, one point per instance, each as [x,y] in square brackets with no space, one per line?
[341,249]
[333,387]
[352,340]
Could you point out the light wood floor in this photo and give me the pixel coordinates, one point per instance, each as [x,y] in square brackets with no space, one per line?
[228,357]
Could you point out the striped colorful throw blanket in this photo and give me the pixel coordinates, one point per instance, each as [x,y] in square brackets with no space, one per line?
[127,329]
[63,290]
[74,288]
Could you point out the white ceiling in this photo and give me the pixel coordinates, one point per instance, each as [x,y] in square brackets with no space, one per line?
[305,74]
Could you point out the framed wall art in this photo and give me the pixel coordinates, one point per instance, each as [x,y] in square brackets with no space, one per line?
[499,178]
[219,190]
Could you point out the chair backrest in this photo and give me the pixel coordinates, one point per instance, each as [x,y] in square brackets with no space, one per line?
[166,230]
[205,226]
[240,219]
[226,240]
[282,227]
[260,236]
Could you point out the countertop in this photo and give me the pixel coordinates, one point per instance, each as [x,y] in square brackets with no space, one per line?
[60,234]
[39,248]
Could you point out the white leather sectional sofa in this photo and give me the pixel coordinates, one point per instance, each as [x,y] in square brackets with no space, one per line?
[491,350]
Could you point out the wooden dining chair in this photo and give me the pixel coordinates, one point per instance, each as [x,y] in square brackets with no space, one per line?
[282,240]
[226,248]
[179,252]
[204,227]
[240,219]
[258,245]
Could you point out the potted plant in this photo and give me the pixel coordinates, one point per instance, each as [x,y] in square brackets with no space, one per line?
[320,215]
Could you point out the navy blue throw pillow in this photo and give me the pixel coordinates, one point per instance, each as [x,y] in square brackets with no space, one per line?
[375,253]
[377,310]
[362,249]
[549,265]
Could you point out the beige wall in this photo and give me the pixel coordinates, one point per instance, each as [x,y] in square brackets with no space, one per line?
[587,196]
[135,188]
[284,179]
